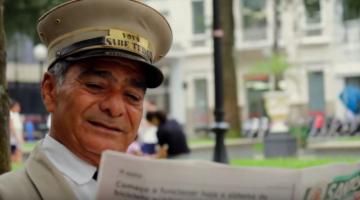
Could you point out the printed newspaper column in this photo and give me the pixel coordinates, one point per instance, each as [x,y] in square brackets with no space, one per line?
[128,177]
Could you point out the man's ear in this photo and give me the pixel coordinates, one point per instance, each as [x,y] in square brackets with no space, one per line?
[48,91]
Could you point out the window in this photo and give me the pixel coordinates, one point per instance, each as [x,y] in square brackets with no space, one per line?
[316,91]
[313,11]
[351,29]
[198,17]
[312,18]
[201,103]
[254,19]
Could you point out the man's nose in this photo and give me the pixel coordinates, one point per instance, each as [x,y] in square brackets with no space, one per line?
[113,106]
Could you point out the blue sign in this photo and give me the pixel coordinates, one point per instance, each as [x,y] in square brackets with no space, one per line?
[350,97]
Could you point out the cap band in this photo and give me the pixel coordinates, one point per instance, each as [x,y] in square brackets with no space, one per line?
[116,39]
[79,45]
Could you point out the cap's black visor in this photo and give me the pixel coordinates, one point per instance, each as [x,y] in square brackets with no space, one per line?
[152,74]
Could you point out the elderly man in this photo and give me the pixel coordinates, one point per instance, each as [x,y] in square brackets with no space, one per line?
[100,56]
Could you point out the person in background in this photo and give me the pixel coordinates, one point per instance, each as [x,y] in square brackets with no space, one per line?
[169,133]
[29,130]
[16,131]
[147,137]
[147,131]
[317,125]
[135,149]
[101,56]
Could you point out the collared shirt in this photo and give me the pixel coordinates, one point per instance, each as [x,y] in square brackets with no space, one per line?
[77,172]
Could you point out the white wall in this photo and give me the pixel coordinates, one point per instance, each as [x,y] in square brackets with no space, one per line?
[23,72]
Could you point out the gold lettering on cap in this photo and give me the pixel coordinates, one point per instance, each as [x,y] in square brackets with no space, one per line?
[130,42]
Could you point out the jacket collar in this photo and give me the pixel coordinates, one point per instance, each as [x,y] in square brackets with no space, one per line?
[47,179]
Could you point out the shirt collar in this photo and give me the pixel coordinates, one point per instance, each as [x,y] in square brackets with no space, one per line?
[66,162]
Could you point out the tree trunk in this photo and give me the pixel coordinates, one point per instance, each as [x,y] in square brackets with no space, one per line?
[4,106]
[275,47]
[229,69]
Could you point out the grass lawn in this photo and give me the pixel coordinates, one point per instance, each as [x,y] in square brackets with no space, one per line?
[292,163]
[348,138]
[16,166]
[29,146]
[207,140]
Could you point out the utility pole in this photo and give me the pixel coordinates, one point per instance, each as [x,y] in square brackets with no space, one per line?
[220,127]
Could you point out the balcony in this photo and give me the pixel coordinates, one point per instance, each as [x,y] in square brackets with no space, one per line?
[254,34]
[255,37]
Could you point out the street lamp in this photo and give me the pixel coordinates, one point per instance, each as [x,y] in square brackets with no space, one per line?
[40,54]
[220,127]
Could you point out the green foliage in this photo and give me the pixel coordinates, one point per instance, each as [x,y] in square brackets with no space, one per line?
[274,65]
[351,9]
[21,16]
[301,134]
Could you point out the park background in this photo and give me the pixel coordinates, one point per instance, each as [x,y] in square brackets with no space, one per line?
[308,49]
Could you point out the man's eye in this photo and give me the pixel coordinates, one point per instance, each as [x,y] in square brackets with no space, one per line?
[133,97]
[94,86]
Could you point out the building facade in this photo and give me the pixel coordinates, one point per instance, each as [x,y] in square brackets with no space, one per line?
[319,38]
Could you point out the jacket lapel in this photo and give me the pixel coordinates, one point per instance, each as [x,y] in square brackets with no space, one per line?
[49,182]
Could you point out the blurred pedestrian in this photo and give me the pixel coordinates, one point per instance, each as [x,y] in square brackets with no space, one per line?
[29,130]
[169,133]
[317,124]
[147,131]
[135,149]
[147,137]
[16,131]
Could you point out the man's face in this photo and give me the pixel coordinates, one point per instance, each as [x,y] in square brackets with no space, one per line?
[99,106]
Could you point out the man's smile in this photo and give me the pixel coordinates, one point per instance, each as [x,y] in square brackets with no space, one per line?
[106,126]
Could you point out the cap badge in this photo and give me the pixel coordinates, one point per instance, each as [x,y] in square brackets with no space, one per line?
[134,43]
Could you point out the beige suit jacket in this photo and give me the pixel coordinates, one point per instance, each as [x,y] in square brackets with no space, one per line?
[38,180]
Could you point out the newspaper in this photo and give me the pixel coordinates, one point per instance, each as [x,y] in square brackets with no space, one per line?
[128,177]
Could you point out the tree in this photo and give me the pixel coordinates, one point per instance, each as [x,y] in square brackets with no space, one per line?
[4,106]
[229,69]
[351,9]
[276,64]
[21,16]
